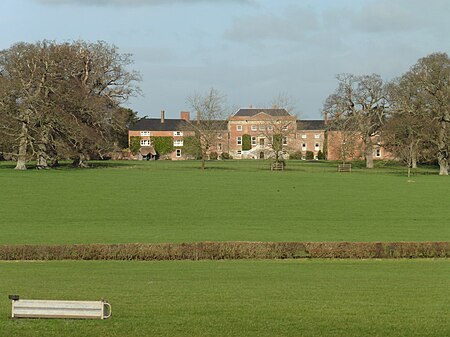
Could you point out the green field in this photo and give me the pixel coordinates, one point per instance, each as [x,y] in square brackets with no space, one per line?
[163,201]
[238,298]
[121,202]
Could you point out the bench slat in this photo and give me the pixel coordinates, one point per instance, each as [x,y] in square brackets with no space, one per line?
[60,309]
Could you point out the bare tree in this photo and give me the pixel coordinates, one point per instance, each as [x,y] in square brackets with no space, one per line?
[210,120]
[280,131]
[343,140]
[431,79]
[64,98]
[406,130]
[361,100]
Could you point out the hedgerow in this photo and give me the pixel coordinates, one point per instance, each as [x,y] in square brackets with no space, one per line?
[227,250]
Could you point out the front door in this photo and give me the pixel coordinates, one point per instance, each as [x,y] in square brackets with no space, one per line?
[261,155]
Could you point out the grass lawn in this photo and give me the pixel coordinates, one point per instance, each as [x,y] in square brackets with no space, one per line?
[238,298]
[120,202]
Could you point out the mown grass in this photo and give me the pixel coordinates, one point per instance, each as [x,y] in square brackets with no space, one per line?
[119,202]
[238,298]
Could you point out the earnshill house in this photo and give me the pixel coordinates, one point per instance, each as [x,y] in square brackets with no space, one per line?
[303,137]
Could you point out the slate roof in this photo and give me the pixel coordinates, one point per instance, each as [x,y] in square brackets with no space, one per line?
[254,111]
[154,124]
[312,124]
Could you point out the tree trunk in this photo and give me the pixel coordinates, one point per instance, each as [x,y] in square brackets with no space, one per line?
[42,155]
[368,152]
[414,160]
[81,161]
[442,149]
[443,165]
[41,161]
[23,144]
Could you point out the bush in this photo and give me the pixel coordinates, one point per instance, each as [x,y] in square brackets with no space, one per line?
[246,142]
[228,250]
[225,155]
[213,155]
[296,155]
[321,155]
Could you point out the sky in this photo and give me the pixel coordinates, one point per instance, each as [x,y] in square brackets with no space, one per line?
[250,50]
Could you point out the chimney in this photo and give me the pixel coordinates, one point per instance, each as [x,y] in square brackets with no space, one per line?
[162,116]
[325,118]
[185,115]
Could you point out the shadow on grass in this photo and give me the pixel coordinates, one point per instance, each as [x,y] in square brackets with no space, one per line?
[312,166]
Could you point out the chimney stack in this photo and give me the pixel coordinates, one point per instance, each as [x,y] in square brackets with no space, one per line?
[185,115]
[162,116]
[325,118]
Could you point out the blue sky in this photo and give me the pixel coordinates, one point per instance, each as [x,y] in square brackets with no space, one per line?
[250,50]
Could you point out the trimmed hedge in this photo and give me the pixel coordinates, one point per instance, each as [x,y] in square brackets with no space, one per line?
[227,250]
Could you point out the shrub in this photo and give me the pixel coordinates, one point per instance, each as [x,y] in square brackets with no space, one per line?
[246,142]
[213,155]
[309,155]
[320,155]
[228,250]
[296,155]
[225,155]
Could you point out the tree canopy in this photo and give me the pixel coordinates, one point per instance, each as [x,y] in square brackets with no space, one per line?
[63,100]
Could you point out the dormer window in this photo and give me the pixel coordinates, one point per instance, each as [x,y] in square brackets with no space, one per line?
[177,133]
[145,133]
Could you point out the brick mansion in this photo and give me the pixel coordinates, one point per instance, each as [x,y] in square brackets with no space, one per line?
[247,134]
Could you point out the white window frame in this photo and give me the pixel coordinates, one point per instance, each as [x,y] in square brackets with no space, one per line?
[145,142]
[269,127]
[304,146]
[304,136]
[254,141]
[285,140]
[254,128]
[262,127]
[317,146]
[378,152]
[238,140]
[178,142]
[178,153]
[178,133]
[317,136]
[145,133]
[238,127]
[239,152]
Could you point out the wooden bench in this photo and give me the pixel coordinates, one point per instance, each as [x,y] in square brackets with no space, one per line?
[344,168]
[59,309]
[277,167]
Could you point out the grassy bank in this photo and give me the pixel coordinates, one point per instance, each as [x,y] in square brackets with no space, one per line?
[238,298]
